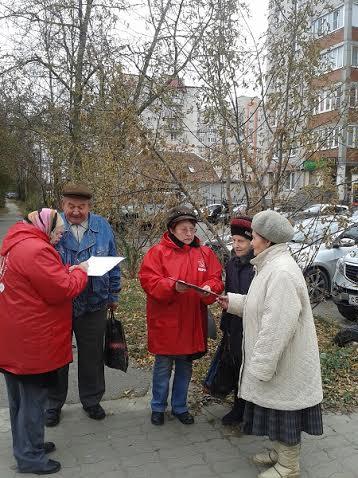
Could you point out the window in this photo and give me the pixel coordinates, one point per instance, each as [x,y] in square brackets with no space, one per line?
[353,95]
[332,59]
[289,180]
[352,136]
[271,179]
[274,119]
[328,100]
[355,56]
[355,15]
[329,22]
[328,138]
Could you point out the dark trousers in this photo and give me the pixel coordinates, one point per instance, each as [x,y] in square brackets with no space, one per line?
[27,403]
[89,331]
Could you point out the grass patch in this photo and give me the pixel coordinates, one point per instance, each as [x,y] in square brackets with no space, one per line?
[339,370]
[339,365]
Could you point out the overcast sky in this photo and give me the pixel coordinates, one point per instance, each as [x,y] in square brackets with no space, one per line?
[258,15]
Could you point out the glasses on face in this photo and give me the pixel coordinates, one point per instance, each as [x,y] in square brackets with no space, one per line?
[187,230]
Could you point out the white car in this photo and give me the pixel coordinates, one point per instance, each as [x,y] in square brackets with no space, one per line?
[317,245]
[325,209]
[345,285]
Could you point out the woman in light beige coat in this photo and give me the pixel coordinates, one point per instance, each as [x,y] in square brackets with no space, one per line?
[280,377]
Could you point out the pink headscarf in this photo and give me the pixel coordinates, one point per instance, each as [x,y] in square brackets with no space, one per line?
[45,219]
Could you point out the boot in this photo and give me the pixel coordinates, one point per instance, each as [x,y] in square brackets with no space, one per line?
[287,466]
[235,416]
[268,457]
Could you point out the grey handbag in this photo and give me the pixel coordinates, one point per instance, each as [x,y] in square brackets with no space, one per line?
[212,333]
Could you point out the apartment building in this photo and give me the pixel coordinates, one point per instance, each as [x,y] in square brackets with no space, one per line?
[335,115]
[183,122]
[333,27]
[179,120]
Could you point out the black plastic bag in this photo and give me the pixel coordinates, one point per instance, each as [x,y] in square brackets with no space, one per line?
[346,335]
[223,374]
[115,345]
[212,334]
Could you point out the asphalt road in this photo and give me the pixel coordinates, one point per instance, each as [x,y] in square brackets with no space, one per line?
[10,217]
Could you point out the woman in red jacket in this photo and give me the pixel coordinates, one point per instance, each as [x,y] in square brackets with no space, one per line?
[36,292]
[176,314]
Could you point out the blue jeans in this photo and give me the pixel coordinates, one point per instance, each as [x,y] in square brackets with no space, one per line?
[161,376]
[27,403]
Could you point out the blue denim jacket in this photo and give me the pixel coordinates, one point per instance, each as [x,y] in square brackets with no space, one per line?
[98,240]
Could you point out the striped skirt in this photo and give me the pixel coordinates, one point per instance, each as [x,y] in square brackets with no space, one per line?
[285,426]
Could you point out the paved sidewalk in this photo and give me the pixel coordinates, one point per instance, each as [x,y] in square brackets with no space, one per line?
[126,445]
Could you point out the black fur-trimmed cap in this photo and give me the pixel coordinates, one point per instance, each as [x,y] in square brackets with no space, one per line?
[241,226]
[180,213]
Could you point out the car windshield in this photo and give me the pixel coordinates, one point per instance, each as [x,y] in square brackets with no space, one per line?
[213,206]
[315,208]
[350,233]
[311,231]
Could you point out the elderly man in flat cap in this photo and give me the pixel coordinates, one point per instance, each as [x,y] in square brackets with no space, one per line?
[86,234]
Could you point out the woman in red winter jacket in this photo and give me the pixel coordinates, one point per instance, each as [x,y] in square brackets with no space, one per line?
[36,292]
[176,314]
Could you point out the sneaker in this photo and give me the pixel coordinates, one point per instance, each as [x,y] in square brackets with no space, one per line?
[95,412]
[186,418]
[52,417]
[51,466]
[157,418]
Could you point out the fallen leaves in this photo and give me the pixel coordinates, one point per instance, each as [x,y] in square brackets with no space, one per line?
[339,365]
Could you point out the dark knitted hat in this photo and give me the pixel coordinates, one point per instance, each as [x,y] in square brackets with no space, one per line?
[180,213]
[77,190]
[241,226]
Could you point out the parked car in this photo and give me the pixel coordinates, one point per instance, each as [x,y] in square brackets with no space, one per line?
[223,254]
[325,209]
[239,209]
[317,245]
[316,257]
[11,195]
[345,285]
[213,211]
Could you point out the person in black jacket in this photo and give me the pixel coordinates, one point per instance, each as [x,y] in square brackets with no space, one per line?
[239,274]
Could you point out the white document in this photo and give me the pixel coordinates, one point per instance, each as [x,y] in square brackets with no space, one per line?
[98,266]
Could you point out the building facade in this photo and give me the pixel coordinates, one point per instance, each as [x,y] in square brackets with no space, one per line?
[335,116]
[333,120]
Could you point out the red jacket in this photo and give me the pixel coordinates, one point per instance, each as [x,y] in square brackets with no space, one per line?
[177,322]
[36,292]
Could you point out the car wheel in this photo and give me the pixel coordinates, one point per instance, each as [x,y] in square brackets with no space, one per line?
[348,312]
[317,284]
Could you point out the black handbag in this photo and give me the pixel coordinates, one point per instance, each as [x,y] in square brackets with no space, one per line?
[223,374]
[212,334]
[115,345]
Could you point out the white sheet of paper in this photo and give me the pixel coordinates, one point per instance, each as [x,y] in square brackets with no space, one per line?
[98,266]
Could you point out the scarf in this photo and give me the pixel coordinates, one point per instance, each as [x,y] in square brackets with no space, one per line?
[45,219]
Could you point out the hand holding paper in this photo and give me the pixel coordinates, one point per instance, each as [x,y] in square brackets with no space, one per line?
[182,286]
[82,265]
[179,287]
[98,266]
